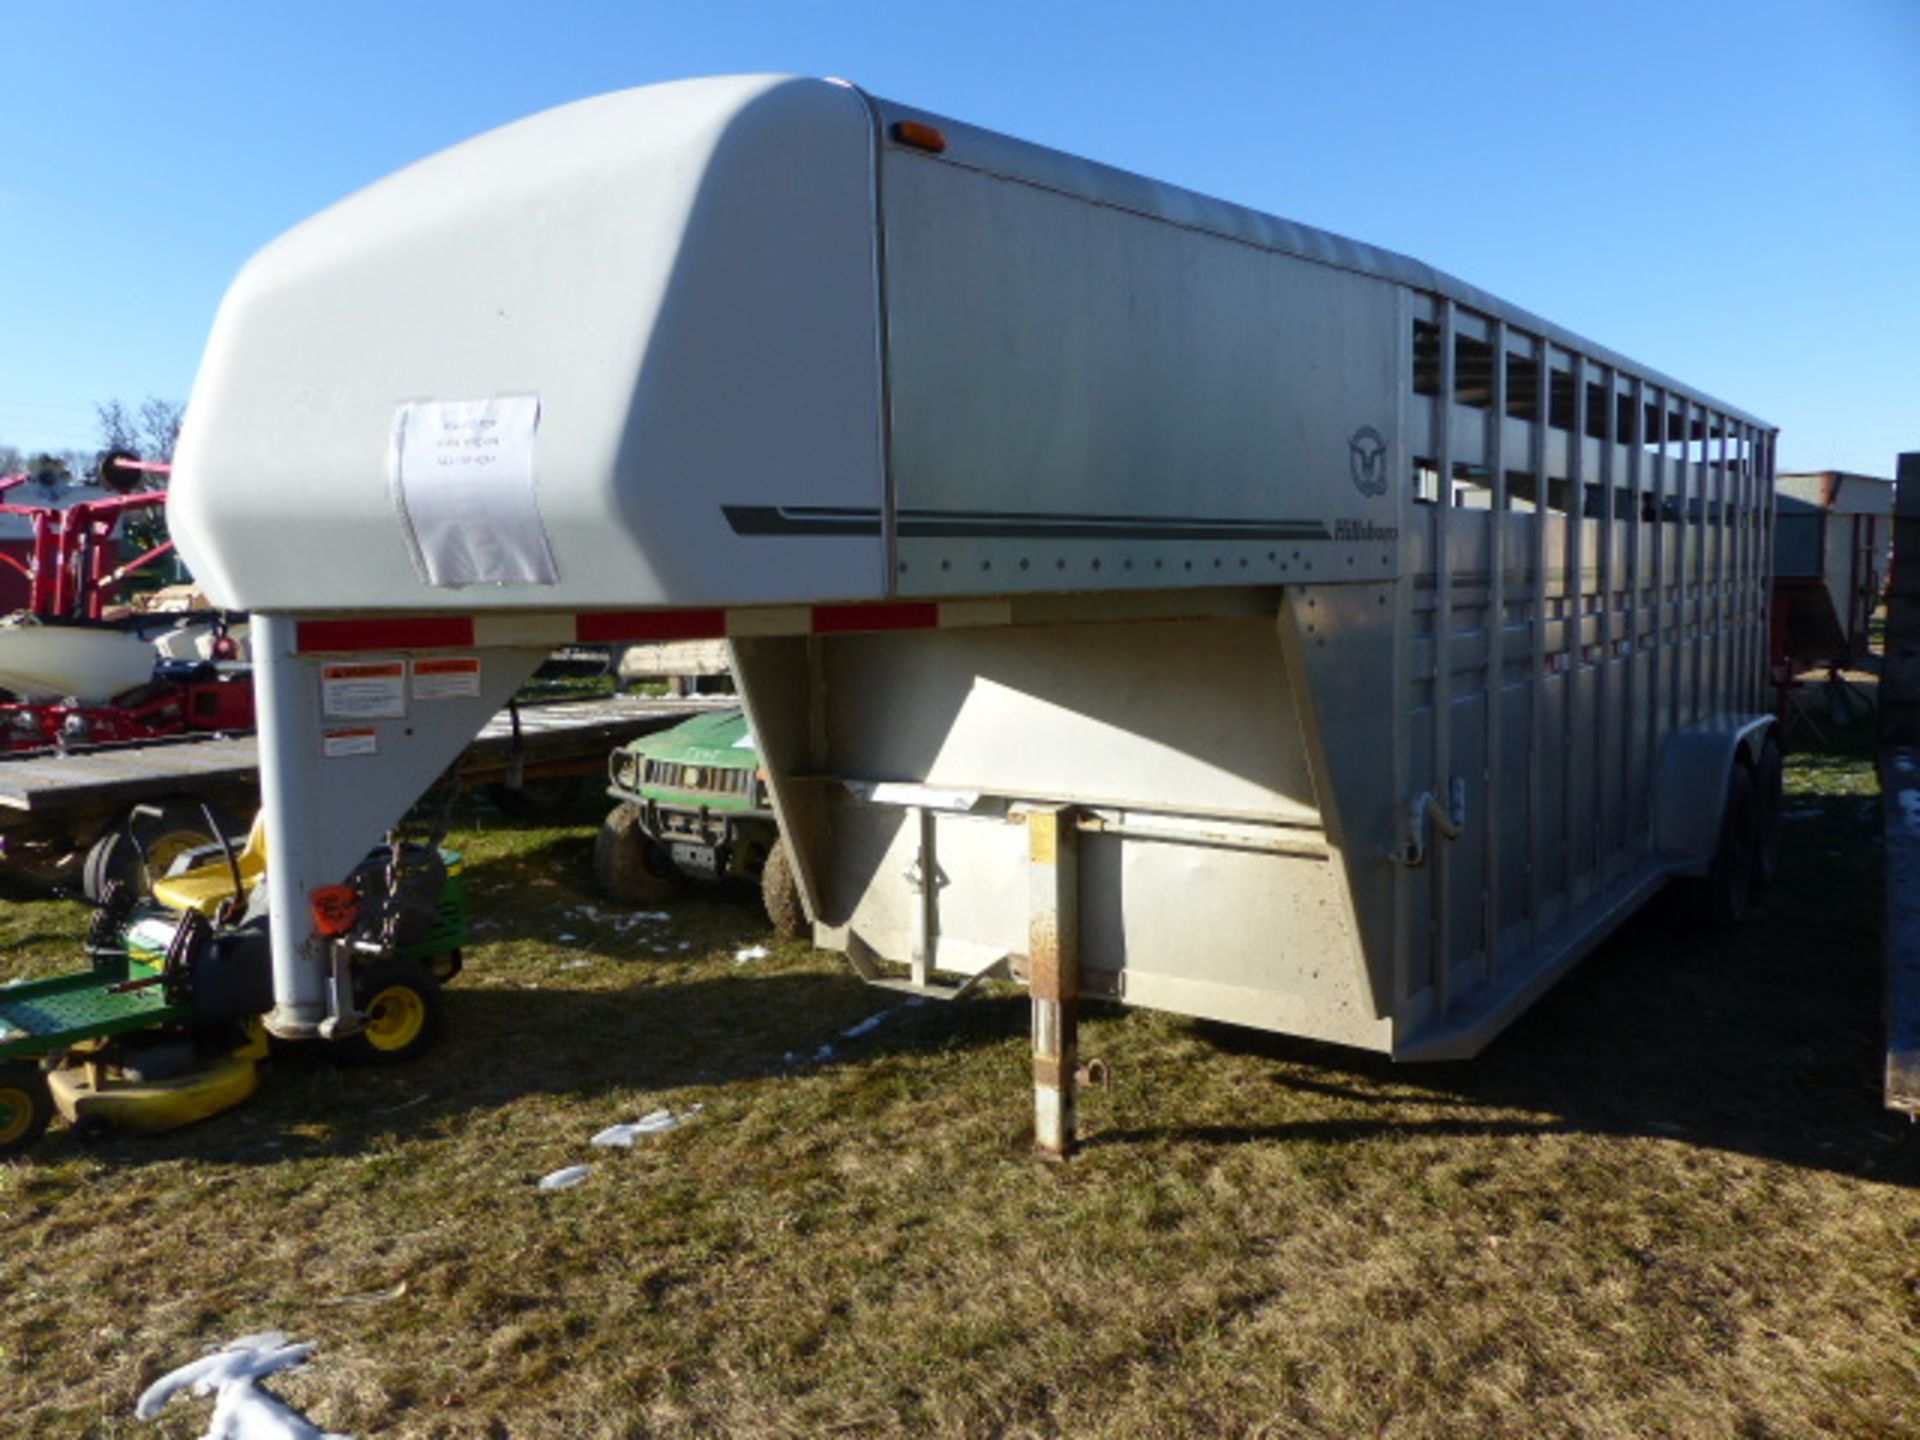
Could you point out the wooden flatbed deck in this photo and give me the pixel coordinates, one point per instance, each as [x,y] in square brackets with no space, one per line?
[55,805]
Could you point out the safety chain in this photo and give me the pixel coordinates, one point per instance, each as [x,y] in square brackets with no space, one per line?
[427,834]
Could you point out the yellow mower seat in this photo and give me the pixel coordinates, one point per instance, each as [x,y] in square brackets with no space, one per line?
[206,888]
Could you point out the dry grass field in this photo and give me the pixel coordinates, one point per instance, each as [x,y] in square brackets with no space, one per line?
[1666,1203]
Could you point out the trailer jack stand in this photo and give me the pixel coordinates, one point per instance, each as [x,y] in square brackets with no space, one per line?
[343,1019]
[1053,960]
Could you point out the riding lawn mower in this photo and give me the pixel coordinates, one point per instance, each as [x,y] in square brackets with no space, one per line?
[164,1027]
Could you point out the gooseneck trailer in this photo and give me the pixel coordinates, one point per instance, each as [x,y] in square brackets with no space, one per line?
[1130,592]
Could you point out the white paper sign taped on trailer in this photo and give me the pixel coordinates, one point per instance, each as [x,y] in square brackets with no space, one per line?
[463,479]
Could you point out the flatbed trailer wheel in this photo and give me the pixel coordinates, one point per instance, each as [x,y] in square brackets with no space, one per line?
[405,1012]
[780,893]
[26,1106]
[629,863]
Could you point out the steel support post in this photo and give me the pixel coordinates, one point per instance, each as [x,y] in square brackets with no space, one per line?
[1053,961]
[288,705]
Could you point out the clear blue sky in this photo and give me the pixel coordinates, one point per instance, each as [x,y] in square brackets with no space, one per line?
[1729,192]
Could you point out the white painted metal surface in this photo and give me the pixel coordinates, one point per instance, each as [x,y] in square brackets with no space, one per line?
[1385,644]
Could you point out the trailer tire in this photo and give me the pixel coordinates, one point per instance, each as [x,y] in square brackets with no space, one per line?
[534,799]
[405,1013]
[1726,891]
[630,865]
[780,893]
[26,1106]
[180,827]
[1769,801]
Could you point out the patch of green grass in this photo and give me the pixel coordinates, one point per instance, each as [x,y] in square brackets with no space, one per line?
[1665,1203]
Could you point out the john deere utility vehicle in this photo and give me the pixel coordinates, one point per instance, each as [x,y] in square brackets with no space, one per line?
[693,803]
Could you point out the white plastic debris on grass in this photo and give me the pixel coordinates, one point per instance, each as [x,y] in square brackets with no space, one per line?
[622,1136]
[622,923]
[746,955]
[565,1179]
[232,1375]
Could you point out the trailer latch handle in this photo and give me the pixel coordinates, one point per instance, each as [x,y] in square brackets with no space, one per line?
[1424,815]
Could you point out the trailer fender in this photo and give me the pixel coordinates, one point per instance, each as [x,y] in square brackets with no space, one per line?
[1690,786]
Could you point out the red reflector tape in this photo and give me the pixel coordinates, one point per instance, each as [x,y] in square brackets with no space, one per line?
[599,628]
[848,619]
[440,632]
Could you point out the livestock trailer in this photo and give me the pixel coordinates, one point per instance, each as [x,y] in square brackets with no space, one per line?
[1132,593]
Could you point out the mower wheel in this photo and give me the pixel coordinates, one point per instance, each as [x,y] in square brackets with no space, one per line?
[404,1009]
[26,1105]
[780,893]
[630,864]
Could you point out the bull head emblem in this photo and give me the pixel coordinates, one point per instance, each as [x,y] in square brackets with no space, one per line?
[1367,456]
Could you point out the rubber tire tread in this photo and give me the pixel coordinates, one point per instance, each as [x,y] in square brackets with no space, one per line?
[1769,803]
[1726,893]
[384,974]
[30,1078]
[629,864]
[780,893]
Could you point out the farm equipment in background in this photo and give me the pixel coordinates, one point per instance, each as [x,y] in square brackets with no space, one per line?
[81,677]
[693,802]
[164,1027]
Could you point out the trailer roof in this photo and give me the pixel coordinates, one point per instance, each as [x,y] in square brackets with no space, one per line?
[1018,160]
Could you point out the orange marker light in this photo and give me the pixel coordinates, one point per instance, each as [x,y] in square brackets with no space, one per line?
[921,137]
[335,908]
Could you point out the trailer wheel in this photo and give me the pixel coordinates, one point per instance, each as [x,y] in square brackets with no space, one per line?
[26,1106]
[780,893]
[1726,892]
[534,800]
[630,865]
[181,826]
[1769,800]
[405,1012]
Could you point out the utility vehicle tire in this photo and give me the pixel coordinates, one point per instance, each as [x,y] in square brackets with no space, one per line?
[26,1105]
[405,1012]
[1769,801]
[1726,892]
[181,826]
[630,865]
[536,799]
[780,893]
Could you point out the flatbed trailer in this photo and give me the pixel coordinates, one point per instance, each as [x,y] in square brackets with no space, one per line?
[56,807]
[1130,592]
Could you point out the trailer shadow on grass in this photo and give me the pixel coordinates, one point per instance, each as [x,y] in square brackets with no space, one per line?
[670,1041]
[1765,1041]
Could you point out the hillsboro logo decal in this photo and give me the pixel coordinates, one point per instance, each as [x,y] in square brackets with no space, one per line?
[1367,458]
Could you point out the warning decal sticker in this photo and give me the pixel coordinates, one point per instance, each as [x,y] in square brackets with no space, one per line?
[360,740]
[364,690]
[450,677]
